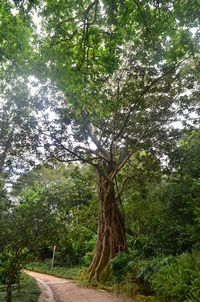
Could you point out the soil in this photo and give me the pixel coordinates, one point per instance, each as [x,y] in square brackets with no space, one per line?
[64,290]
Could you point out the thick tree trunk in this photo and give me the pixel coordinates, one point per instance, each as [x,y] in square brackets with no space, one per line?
[111,229]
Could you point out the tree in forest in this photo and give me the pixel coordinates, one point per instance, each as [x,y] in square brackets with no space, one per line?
[117,75]
[150,202]
[121,81]
[25,228]
[71,191]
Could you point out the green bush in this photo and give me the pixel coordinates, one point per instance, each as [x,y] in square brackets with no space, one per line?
[120,266]
[149,268]
[87,259]
[3,276]
[4,265]
[180,279]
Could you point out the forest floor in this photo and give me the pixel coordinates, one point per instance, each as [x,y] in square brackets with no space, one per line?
[54,289]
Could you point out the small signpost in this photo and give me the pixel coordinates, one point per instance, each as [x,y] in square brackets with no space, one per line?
[52,262]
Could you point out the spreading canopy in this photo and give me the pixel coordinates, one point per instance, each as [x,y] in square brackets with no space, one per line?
[119,74]
[111,77]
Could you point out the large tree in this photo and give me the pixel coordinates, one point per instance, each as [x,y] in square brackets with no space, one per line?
[24,229]
[116,74]
[121,72]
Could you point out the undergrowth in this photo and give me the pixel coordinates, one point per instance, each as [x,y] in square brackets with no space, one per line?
[169,278]
[29,291]
[58,271]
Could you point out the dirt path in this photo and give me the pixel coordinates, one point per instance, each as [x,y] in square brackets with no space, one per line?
[63,290]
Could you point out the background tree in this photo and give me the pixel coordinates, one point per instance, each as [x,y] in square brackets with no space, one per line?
[71,191]
[162,215]
[24,230]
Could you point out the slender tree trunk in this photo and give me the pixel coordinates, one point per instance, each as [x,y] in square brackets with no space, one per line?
[9,291]
[18,283]
[9,286]
[111,237]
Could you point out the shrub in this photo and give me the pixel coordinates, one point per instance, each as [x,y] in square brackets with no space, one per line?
[4,265]
[87,259]
[179,279]
[151,267]
[119,266]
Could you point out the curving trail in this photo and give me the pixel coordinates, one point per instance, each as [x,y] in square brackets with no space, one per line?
[54,289]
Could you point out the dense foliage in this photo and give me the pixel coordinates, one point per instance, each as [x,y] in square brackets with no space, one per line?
[112,84]
[70,193]
[163,222]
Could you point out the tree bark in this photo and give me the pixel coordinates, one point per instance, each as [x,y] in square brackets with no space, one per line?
[111,237]
[9,290]
[9,285]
